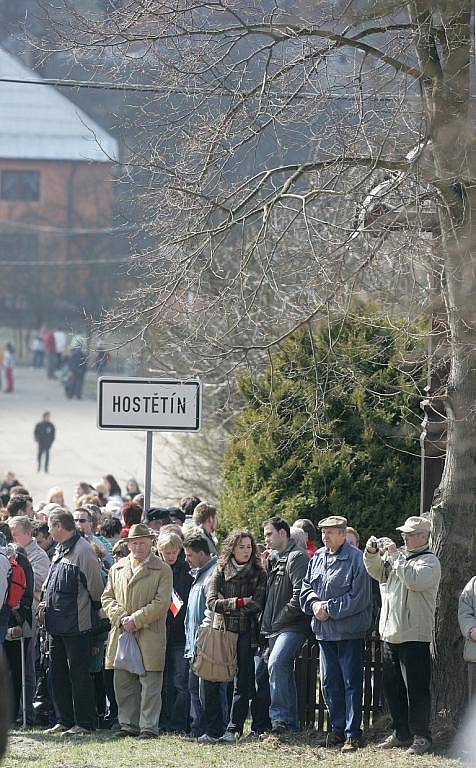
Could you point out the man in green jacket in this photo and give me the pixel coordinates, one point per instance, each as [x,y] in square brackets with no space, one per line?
[409,579]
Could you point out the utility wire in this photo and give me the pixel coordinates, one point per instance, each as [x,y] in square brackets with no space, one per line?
[65,264]
[32,226]
[140,88]
[95,85]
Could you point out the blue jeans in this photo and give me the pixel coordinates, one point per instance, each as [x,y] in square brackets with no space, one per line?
[175,693]
[282,685]
[260,722]
[342,665]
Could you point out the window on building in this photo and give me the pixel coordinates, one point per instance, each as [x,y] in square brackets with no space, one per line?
[20,185]
[18,247]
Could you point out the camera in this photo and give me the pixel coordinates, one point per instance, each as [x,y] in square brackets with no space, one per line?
[378,543]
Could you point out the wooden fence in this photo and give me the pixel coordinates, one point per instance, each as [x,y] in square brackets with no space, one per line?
[311,705]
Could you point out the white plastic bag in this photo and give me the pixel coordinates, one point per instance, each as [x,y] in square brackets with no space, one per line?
[128,655]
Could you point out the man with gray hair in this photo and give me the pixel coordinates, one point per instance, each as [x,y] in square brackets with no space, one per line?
[409,579]
[336,592]
[22,533]
[72,595]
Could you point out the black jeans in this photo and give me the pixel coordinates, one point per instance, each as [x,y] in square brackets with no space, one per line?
[206,706]
[175,715]
[13,653]
[43,450]
[244,683]
[406,685]
[108,675]
[71,683]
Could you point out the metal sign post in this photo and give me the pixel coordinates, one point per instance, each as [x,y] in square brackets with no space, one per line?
[148,468]
[150,405]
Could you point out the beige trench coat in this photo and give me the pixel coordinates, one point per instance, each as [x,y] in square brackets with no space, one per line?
[145,597]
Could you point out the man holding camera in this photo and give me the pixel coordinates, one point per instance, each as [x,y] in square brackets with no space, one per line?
[409,579]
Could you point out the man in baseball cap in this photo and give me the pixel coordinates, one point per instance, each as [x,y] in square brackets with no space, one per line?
[411,576]
[416,525]
[336,592]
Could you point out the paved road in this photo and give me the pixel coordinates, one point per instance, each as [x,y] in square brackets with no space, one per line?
[80,452]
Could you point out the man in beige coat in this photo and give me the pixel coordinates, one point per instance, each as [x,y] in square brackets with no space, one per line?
[136,599]
[409,579]
[467,623]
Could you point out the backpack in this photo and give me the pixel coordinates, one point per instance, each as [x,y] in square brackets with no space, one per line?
[16,585]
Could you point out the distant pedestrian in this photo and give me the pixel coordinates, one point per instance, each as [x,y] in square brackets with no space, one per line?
[8,366]
[50,349]
[44,435]
[77,364]
[38,352]
[60,346]
[102,359]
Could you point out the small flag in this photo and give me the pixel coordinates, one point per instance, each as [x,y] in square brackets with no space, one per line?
[176,603]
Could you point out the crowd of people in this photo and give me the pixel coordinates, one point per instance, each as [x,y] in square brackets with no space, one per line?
[111,608]
[67,362]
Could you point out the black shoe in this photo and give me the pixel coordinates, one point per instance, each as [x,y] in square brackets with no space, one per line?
[278,727]
[331,739]
[351,745]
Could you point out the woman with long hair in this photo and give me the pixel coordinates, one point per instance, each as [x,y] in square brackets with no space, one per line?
[112,488]
[236,596]
[55,496]
[132,489]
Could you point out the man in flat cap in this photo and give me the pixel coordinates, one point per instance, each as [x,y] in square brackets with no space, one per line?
[136,600]
[409,579]
[336,592]
[157,517]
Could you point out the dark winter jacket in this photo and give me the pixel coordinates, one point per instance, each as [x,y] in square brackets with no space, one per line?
[229,583]
[182,583]
[282,610]
[77,361]
[73,588]
[44,433]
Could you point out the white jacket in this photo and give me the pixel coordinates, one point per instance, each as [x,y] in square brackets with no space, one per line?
[409,586]
[467,618]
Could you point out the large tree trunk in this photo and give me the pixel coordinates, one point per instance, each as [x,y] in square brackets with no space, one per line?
[454,520]
[454,534]
[446,99]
